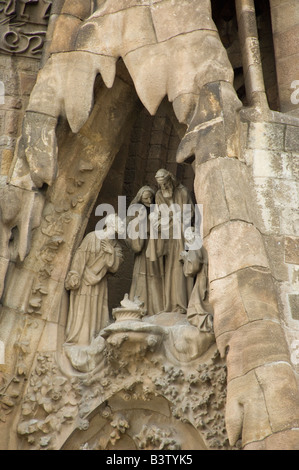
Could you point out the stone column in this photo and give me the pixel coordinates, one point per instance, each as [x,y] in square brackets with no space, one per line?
[262,400]
[285,25]
[262,392]
[249,41]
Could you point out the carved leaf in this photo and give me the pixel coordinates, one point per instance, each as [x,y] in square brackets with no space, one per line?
[85,166]
[58,381]
[42,290]
[8,401]
[45,441]
[35,302]
[26,409]
[22,369]
[48,407]
[71,399]
[69,412]
[24,346]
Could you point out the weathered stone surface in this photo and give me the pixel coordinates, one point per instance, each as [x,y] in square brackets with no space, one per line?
[46,96]
[253,345]
[61,75]
[275,247]
[127,38]
[258,294]
[161,67]
[279,385]
[65,33]
[219,187]
[57,6]
[245,407]
[266,136]
[27,82]
[286,193]
[291,141]
[19,173]
[183,107]
[277,217]
[210,193]
[286,69]
[77,8]
[113,7]
[171,20]
[285,440]
[272,164]
[207,137]
[40,148]
[229,312]
[294,305]
[252,297]
[233,246]
[292,250]
[285,28]
[4,263]
[286,42]
[284,15]
[7,157]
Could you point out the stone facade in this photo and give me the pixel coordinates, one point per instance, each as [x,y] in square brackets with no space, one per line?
[85,120]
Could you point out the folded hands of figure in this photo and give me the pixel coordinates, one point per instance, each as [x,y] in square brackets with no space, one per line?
[72,281]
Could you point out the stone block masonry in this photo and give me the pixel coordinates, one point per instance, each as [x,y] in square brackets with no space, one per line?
[272,155]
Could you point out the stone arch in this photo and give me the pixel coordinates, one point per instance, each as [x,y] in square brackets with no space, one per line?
[119,424]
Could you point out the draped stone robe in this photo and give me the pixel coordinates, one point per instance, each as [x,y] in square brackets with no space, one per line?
[88,310]
[199,312]
[148,277]
[177,287]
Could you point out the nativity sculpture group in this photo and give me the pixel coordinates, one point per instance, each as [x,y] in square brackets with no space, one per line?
[170,266]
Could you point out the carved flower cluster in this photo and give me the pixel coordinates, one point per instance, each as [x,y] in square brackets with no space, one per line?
[199,395]
[155,438]
[196,395]
[49,403]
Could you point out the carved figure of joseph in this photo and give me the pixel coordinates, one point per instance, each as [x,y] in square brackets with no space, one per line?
[177,288]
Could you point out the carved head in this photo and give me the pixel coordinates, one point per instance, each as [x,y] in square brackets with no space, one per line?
[144,196]
[147,198]
[114,224]
[166,182]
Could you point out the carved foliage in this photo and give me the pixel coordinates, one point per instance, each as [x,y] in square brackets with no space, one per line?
[155,438]
[54,226]
[50,402]
[202,399]
[54,402]
[11,387]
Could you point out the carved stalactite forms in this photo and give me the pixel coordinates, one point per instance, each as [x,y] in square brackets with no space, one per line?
[162,61]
